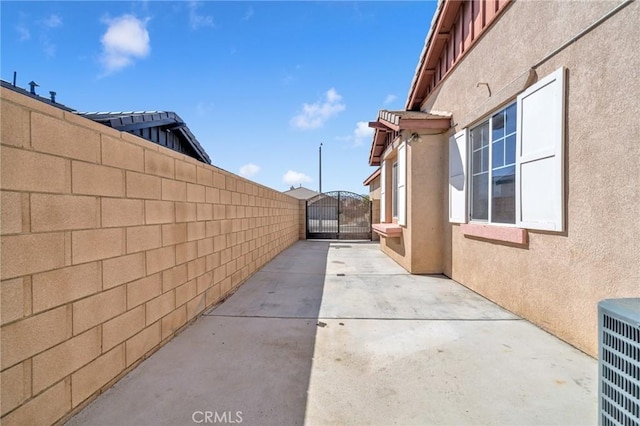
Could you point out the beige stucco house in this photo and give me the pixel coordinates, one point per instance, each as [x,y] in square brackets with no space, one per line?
[515,166]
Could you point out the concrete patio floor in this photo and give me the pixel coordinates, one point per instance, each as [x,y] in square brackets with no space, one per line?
[336,333]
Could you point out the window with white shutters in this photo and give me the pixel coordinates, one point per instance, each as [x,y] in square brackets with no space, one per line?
[515,165]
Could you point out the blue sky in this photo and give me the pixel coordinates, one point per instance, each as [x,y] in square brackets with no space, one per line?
[261,84]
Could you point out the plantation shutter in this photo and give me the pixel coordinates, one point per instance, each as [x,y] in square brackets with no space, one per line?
[457,177]
[383,184]
[540,155]
[402,187]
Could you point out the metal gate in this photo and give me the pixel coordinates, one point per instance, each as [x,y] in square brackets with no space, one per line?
[339,215]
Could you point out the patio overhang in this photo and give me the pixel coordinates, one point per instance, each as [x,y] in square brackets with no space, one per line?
[396,121]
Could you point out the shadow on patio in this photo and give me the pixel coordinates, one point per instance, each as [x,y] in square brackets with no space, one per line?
[246,361]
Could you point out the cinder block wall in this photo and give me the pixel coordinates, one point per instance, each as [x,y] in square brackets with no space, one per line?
[111,244]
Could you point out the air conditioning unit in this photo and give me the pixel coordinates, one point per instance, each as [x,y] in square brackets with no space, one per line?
[619,362]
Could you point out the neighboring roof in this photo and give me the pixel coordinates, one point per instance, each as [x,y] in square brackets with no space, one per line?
[395,121]
[372,177]
[132,122]
[136,121]
[50,101]
[301,193]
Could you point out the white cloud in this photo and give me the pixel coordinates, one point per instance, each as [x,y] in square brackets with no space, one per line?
[204,109]
[23,32]
[362,133]
[295,178]
[389,99]
[316,114]
[249,170]
[53,21]
[196,20]
[49,48]
[248,14]
[125,40]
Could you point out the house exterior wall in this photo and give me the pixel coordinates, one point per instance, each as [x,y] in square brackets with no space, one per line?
[419,248]
[110,245]
[397,248]
[374,196]
[557,280]
[425,204]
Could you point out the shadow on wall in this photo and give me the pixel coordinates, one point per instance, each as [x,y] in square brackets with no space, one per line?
[248,360]
[396,244]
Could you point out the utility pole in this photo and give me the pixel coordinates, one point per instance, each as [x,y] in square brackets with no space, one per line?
[320,166]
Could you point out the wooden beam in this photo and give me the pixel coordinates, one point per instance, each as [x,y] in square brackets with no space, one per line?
[377,125]
[389,124]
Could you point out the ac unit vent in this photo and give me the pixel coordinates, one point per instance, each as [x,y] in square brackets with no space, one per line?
[619,362]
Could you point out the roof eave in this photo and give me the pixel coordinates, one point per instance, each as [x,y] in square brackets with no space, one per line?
[442,19]
[372,177]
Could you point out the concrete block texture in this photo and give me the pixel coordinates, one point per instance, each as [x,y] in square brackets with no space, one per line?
[16,125]
[110,246]
[96,374]
[115,153]
[94,179]
[140,185]
[14,299]
[141,238]
[158,164]
[185,171]
[44,409]
[143,290]
[98,308]
[63,212]
[122,212]
[122,327]
[17,253]
[159,212]
[34,335]
[16,386]
[58,362]
[123,269]
[32,171]
[13,215]
[54,136]
[97,244]
[143,342]
[61,286]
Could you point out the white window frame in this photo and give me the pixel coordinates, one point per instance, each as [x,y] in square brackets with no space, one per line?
[402,185]
[394,190]
[457,177]
[383,189]
[540,195]
[490,220]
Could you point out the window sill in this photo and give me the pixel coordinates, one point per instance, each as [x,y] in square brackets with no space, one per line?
[389,230]
[506,234]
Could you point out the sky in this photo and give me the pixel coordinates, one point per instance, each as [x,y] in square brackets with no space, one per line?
[260,84]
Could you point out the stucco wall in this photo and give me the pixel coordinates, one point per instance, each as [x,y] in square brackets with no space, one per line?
[425,203]
[397,248]
[557,280]
[110,245]
[374,196]
[420,247]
